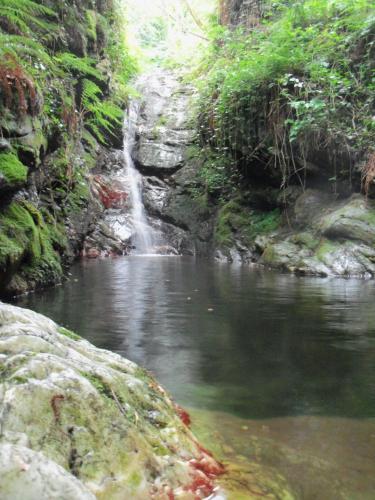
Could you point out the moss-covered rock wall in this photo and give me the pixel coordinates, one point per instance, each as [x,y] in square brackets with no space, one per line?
[286,109]
[63,73]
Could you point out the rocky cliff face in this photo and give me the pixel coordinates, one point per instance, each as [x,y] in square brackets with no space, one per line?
[164,154]
[297,168]
[79,422]
[58,118]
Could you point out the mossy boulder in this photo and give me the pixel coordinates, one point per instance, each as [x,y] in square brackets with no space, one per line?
[354,220]
[13,173]
[28,245]
[339,240]
[88,419]
[310,205]
[239,228]
[30,475]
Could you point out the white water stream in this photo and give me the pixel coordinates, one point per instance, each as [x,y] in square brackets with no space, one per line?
[143,237]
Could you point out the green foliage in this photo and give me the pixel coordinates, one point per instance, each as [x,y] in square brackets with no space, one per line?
[78,65]
[236,220]
[68,333]
[25,26]
[26,238]
[302,80]
[215,173]
[24,15]
[103,115]
[91,21]
[12,169]
[153,33]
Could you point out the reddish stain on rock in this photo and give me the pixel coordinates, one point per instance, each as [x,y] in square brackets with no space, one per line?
[184,416]
[110,194]
[92,253]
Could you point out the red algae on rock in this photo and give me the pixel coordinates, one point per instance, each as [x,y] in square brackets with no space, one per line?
[184,415]
[111,194]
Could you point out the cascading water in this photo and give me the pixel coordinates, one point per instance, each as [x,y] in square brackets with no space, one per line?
[143,235]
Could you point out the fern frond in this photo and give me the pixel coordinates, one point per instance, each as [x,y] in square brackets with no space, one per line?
[23,14]
[80,65]
[90,93]
[20,46]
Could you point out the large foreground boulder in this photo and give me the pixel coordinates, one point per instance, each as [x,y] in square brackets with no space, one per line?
[77,422]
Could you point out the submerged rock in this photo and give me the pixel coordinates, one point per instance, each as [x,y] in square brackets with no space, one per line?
[79,422]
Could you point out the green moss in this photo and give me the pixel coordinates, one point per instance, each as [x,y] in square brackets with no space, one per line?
[19,380]
[68,333]
[325,248]
[269,255]
[317,58]
[306,239]
[134,480]
[91,24]
[26,239]
[12,169]
[99,385]
[236,220]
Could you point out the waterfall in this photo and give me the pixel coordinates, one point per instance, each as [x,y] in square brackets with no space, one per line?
[143,234]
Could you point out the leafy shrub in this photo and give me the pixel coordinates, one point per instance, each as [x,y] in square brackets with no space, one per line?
[303,80]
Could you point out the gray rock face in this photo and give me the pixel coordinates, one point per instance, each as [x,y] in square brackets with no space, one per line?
[158,158]
[29,475]
[310,204]
[163,126]
[338,239]
[355,220]
[77,422]
[164,134]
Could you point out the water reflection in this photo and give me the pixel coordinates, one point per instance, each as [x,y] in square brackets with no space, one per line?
[274,345]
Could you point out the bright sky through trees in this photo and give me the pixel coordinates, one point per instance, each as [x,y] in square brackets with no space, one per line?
[168,29]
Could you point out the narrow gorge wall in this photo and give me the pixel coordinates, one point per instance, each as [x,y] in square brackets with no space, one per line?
[286,129]
[165,155]
[60,111]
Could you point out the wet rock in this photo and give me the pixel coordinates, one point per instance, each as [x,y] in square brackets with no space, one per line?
[155,193]
[5,145]
[354,220]
[107,240]
[110,161]
[163,126]
[31,475]
[78,420]
[237,253]
[164,134]
[310,204]
[158,158]
[292,257]
[111,192]
[348,258]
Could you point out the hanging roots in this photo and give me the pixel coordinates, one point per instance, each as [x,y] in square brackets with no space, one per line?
[368,174]
[17,88]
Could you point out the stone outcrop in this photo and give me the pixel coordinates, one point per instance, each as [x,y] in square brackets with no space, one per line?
[335,238]
[52,151]
[77,422]
[165,136]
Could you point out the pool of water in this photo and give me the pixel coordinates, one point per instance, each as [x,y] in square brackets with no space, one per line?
[250,342]
[276,358]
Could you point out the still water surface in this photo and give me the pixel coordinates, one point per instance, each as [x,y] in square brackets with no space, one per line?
[295,357]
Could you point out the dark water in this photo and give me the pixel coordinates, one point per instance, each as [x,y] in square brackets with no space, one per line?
[274,345]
